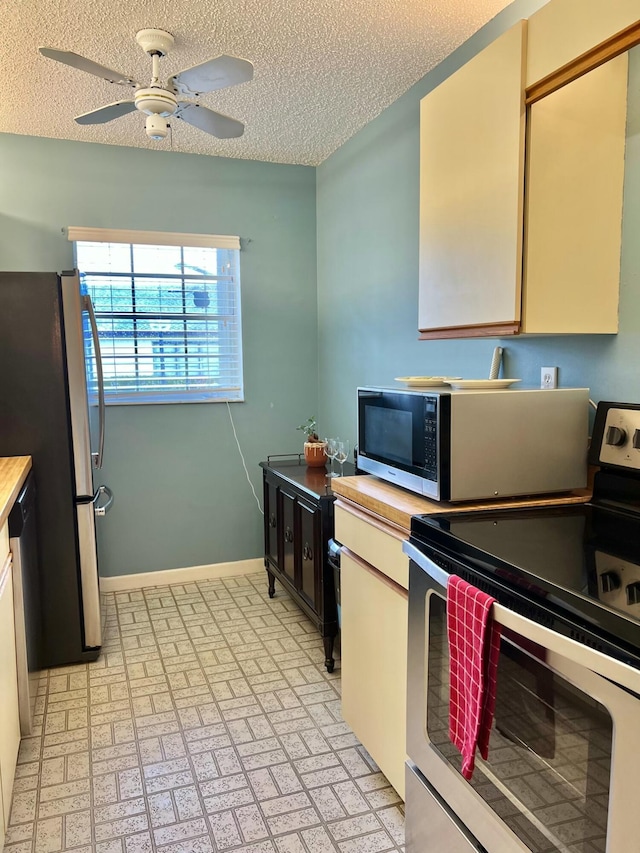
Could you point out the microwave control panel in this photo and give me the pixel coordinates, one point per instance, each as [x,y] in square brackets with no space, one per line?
[431,437]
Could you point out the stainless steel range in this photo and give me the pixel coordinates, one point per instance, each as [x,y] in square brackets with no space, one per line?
[564,756]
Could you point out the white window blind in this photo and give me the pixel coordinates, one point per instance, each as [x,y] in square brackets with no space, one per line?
[168,314]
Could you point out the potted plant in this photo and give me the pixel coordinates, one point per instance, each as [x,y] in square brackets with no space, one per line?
[314,454]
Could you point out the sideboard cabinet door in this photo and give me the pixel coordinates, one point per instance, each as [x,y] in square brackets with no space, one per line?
[288,536]
[311,555]
[298,523]
[271,526]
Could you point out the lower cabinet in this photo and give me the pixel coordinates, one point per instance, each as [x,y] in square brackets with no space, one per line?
[9,716]
[298,523]
[373,593]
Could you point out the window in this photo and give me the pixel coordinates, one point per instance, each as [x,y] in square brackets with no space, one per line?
[168,313]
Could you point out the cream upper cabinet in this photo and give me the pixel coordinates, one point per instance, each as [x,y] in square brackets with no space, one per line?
[561,31]
[472,138]
[504,251]
[575,182]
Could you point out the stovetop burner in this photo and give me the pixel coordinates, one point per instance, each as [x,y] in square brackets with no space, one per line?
[584,560]
[581,561]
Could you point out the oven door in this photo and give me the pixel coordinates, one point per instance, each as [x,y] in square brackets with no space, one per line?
[564,753]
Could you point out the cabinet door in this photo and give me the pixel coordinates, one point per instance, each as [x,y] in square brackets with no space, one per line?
[575,186]
[287,561]
[472,132]
[271,521]
[374,664]
[9,717]
[310,554]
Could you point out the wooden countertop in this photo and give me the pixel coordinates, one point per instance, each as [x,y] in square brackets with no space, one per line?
[397,505]
[13,473]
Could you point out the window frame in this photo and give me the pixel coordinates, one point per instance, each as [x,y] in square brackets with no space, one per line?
[231,393]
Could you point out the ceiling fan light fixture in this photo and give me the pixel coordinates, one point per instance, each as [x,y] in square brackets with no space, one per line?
[157,127]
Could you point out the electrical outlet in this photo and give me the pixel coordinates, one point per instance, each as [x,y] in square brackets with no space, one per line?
[549,377]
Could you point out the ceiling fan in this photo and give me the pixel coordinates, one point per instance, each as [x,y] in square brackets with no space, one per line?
[158,102]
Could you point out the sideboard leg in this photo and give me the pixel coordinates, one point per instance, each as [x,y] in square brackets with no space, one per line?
[328,653]
[272,583]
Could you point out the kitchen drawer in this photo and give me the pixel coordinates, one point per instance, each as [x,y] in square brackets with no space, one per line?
[374,541]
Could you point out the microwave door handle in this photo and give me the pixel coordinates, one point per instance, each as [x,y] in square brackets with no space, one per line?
[88,305]
[435,572]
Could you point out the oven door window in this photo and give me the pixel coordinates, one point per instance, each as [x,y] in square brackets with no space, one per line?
[548,771]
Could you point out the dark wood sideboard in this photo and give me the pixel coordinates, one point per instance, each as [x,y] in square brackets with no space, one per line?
[298,523]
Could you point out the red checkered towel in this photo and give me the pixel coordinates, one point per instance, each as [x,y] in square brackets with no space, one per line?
[474,648]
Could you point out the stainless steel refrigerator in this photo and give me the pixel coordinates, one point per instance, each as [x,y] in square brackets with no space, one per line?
[49,359]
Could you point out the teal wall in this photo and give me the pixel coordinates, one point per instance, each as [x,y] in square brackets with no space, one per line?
[329,296]
[367,210]
[182,498]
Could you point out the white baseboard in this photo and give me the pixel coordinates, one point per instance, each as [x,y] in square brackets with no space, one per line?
[186,575]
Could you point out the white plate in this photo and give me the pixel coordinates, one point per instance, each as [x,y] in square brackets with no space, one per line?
[480,384]
[426,381]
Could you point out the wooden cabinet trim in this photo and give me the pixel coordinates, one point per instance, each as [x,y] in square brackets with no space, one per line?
[596,56]
[490,331]
[367,567]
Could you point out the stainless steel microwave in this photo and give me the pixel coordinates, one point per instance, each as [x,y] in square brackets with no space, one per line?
[473,445]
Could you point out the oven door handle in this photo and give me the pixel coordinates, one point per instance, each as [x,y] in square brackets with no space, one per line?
[574,651]
[440,576]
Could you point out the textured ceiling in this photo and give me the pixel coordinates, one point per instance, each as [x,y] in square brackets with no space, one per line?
[323,68]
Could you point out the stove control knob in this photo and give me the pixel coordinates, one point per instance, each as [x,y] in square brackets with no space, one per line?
[610,581]
[633,593]
[636,439]
[616,436]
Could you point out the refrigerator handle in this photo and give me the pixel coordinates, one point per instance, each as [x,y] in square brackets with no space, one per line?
[88,305]
[101,511]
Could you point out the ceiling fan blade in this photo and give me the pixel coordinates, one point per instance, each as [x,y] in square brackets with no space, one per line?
[215,74]
[84,64]
[108,113]
[211,122]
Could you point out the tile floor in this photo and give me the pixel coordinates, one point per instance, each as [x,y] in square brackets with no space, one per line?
[208,724]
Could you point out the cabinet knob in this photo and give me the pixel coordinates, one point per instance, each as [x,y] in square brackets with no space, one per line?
[288,535]
[272,520]
[307,553]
